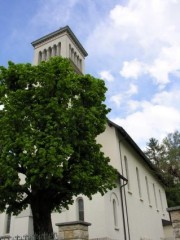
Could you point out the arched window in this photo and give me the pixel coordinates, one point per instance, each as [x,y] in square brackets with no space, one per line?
[40,57]
[75,58]
[80,64]
[72,54]
[54,50]
[115,202]
[59,49]
[80,207]
[49,52]
[70,51]
[115,213]
[45,55]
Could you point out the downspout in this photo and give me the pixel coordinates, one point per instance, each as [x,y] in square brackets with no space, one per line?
[127,218]
[122,206]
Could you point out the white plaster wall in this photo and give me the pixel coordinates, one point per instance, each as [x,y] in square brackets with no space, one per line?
[20,226]
[98,212]
[145,219]
[2,223]
[110,146]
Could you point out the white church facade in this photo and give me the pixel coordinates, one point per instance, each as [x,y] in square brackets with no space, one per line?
[136,208]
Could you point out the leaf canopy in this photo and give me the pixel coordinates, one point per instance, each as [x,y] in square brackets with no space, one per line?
[49,120]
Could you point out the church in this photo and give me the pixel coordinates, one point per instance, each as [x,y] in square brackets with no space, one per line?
[136,208]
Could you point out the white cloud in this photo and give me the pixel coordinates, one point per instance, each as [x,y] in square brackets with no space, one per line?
[168,99]
[133,105]
[154,118]
[106,75]
[133,89]
[167,62]
[153,121]
[128,17]
[132,69]
[117,99]
[122,98]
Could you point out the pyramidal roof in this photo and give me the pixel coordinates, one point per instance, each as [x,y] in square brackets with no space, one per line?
[58,32]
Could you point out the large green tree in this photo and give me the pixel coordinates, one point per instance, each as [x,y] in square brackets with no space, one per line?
[166,157]
[49,120]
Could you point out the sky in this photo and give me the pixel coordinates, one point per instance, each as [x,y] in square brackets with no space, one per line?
[133,45]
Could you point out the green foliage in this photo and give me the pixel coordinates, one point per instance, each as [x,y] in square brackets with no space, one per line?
[49,120]
[166,157]
[155,152]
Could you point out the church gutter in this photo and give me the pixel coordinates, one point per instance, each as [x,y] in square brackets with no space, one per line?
[127,218]
[123,200]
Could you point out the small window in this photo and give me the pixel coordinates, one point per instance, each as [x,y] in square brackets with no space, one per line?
[127,172]
[147,188]
[115,213]
[8,223]
[80,204]
[138,182]
[160,196]
[155,197]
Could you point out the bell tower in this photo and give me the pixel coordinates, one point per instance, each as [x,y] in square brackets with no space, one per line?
[63,43]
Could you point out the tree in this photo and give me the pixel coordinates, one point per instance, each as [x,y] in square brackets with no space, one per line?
[155,152]
[172,145]
[49,120]
[166,157]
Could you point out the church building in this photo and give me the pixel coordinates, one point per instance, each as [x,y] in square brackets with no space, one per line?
[136,208]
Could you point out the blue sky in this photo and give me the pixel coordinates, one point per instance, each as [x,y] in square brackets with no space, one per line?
[133,45]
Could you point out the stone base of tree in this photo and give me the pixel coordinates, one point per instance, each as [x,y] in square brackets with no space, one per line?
[77,230]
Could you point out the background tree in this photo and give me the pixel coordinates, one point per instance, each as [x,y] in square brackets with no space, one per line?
[155,152]
[172,145]
[166,157]
[49,120]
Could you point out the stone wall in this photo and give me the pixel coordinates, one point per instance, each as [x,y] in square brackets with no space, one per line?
[175,218]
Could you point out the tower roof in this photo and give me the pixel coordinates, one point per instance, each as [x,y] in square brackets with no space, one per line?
[60,31]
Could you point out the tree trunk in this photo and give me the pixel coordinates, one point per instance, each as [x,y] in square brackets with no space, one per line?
[41,212]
